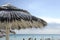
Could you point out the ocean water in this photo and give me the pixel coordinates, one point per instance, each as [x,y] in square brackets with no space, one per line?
[33,36]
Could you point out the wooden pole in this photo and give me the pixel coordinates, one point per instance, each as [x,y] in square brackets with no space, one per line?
[7,33]
[7,30]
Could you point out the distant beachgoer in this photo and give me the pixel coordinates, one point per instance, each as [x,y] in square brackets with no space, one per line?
[35,39]
[40,39]
[47,39]
[30,39]
[23,39]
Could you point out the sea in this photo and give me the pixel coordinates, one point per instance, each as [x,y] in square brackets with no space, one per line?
[33,37]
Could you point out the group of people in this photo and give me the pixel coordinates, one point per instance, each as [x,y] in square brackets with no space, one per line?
[36,39]
[30,39]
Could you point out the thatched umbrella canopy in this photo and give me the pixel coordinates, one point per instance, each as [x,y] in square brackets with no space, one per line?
[12,17]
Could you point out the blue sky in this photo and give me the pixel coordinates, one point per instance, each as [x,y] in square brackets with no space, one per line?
[39,8]
[49,10]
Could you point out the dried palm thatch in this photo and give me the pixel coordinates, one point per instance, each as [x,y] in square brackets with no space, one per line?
[18,18]
[14,18]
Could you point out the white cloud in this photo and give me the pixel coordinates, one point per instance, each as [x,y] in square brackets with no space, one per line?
[49,20]
[50,31]
[38,31]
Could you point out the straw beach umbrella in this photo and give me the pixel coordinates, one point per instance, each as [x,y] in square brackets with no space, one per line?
[12,17]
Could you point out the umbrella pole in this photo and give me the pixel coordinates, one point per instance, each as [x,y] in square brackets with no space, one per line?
[7,31]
